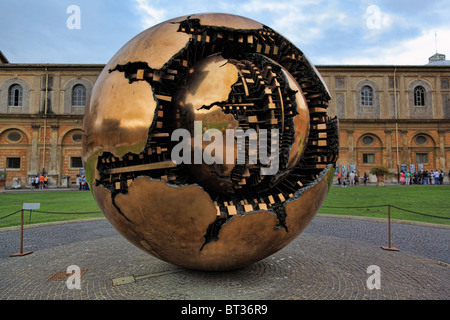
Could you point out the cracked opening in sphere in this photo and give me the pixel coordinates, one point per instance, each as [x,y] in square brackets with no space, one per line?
[223,78]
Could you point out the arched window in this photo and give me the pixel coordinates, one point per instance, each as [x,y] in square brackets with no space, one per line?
[15,95]
[79,95]
[367,96]
[419,96]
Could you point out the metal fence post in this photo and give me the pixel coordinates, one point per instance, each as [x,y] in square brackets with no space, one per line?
[389,232]
[21,253]
[25,206]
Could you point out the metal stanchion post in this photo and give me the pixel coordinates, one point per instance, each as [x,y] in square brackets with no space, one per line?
[389,231]
[21,253]
[26,206]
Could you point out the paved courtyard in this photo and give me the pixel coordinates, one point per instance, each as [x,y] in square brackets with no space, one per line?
[329,260]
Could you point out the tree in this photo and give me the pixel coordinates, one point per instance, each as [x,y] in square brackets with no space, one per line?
[379,171]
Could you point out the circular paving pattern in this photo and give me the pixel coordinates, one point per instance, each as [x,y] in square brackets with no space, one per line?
[328,261]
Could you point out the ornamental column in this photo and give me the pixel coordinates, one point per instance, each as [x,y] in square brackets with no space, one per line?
[351,147]
[52,167]
[441,149]
[389,162]
[34,164]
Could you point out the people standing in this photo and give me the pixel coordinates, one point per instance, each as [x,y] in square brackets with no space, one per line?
[352,178]
[436,177]
[41,181]
[402,178]
[365,178]
[339,178]
[408,178]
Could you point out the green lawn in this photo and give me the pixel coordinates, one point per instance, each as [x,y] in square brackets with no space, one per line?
[430,200]
[62,202]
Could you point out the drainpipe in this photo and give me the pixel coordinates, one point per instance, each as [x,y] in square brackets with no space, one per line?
[45,117]
[396,124]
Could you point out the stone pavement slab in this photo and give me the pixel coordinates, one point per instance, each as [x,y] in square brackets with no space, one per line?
[328,261]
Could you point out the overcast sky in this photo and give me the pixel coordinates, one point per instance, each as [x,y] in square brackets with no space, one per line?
[400,32]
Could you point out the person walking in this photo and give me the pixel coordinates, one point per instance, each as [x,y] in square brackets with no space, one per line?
[339,178]
[365,178]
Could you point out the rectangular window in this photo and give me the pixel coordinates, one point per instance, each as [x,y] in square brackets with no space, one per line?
[13,163]
[368,158]
[445,83]
[422,157]
[391,83]
[75,162]
[340,83]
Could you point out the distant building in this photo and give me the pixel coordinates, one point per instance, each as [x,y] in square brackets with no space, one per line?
[398,116]
[438,59]
[41,112]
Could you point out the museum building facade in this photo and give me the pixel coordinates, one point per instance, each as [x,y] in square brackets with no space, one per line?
[396,116]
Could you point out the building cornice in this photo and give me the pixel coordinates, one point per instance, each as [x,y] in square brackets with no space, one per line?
[49,66]
[384,68]
[319,67]
[358,121]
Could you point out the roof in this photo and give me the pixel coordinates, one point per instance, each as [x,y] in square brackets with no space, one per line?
[439,63]
[3,58]
[438,59]
[51,65]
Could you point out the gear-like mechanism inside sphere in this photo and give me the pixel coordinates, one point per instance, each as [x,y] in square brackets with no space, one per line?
[253,80]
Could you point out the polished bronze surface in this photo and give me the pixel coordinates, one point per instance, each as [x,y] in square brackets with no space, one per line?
[232,199]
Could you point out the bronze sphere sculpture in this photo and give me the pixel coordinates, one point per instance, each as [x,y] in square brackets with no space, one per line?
[207,141]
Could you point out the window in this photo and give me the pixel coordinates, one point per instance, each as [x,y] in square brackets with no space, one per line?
[75,162]
[340,83]
[367,140]
[368,158]
[421,139]
[13,163]
[79,95]
[367,96]
[14,137]
[393,85]
[77,137]
[15,95]
[419,96]
[422,157]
